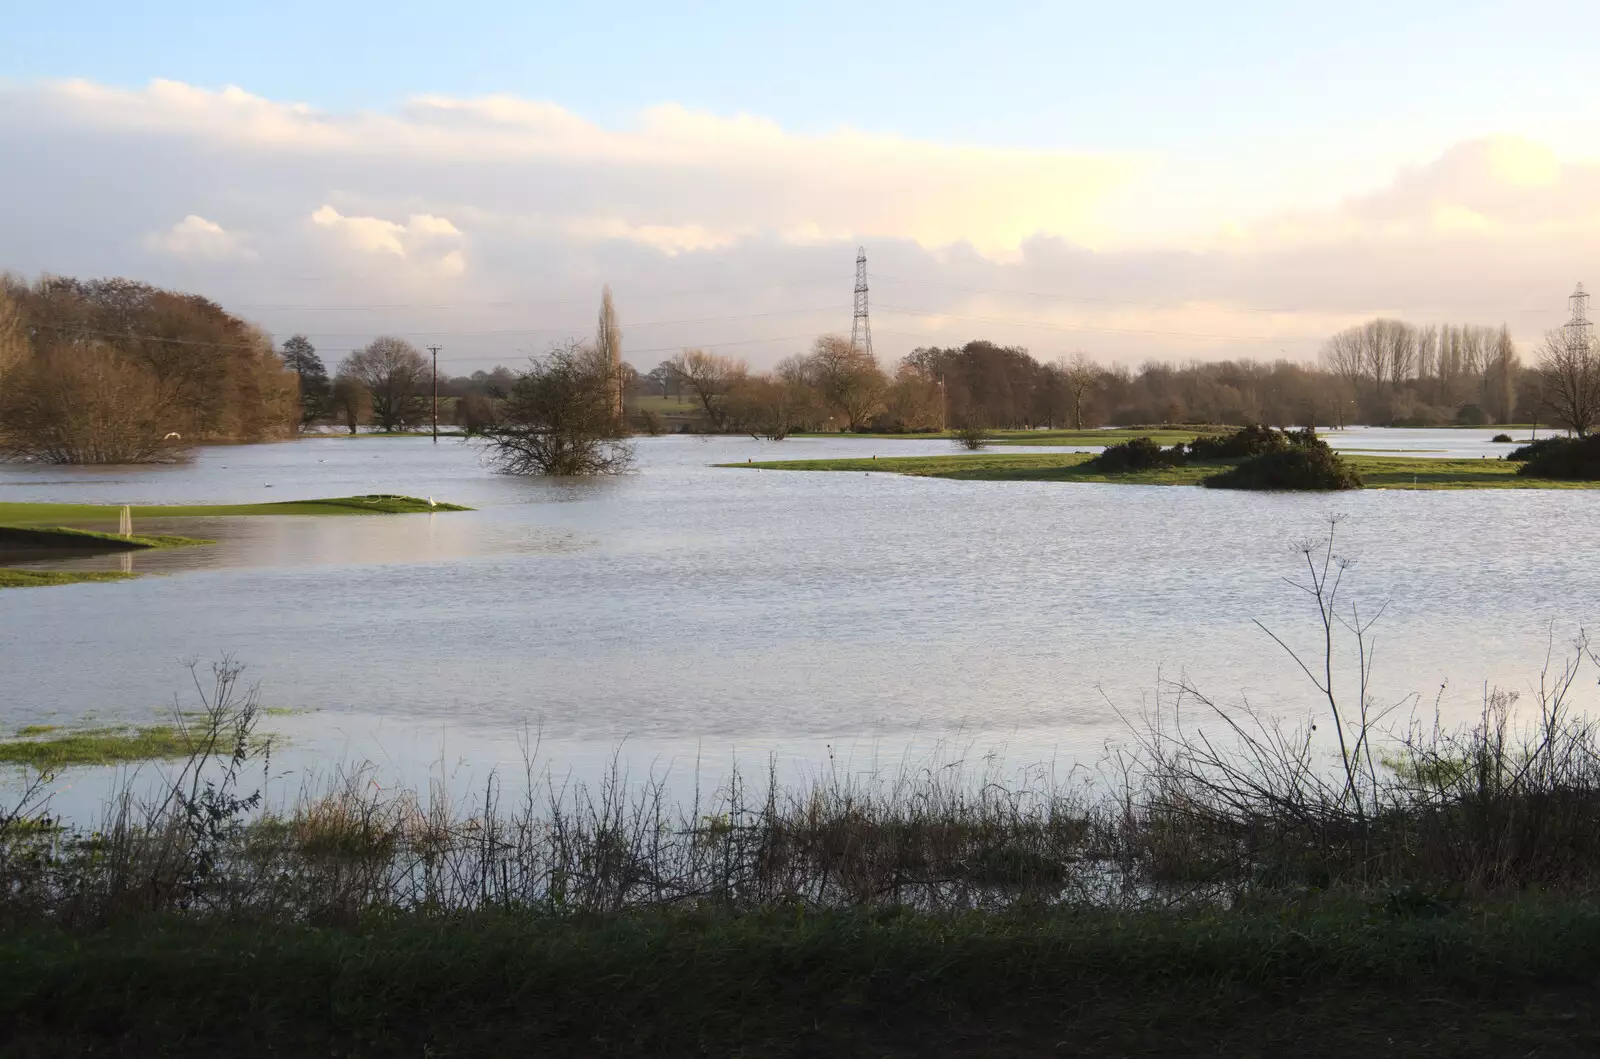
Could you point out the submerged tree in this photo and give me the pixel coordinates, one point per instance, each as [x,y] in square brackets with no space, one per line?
[561,417]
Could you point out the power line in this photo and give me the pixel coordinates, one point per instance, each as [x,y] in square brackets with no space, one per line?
[1097,330]
[1128,302]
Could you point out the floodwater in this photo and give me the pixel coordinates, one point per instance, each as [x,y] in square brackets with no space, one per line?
[689,613]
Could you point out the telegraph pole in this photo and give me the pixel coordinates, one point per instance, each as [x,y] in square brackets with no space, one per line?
[435,351]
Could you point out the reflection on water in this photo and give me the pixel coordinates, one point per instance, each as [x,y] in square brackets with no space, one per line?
[686,611]
[290,540]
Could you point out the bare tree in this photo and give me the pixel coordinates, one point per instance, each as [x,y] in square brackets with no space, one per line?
[1500,378]
[393,372]
[709,378]
[561,418]
[849,380]
[1569,375]
[1080,374]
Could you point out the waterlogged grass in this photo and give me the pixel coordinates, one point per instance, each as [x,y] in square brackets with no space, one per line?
[14,578]
[1110,436]
[21,514]
[1376,472]
[48,747]
[62,538]
[1317,980]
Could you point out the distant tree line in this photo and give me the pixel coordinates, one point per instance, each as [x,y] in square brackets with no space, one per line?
[1384,373]
[113,371]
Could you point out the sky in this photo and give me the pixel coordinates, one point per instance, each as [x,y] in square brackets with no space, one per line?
[1135,181]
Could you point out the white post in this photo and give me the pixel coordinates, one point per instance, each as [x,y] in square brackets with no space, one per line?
[125,523]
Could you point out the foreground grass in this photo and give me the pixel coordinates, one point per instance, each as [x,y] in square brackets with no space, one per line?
[1376,472]
[1318,980]
[47,748]
[13,578]
[376,504]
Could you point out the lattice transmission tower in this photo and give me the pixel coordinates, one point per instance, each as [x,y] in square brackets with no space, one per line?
[861,329]
[1577,329]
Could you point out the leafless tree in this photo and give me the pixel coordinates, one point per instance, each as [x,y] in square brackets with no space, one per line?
[1569,374]
[394,373]
[560,418]
[709,377]
[1080,374]
[849,380]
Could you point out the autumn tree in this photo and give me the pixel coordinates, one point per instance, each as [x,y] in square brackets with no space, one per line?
[351,403]
[394,374]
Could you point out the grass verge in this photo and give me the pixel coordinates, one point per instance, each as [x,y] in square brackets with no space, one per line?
[1376,472]
[13,578]
[1307,981]
[16,514]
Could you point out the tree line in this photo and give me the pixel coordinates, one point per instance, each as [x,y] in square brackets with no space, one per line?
[118,371]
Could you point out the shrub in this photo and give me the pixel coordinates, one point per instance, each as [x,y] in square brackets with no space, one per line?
[1573,458]
[1306,465]
[1537,448]
[1471,415]
[1502,439]
[1140,454]
[1253,440]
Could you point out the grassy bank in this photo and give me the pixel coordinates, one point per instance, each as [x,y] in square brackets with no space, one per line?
[1108,436]
[48,748]
[1376,472]
[14,578]
[1316,979]
[378,504]
[27,538]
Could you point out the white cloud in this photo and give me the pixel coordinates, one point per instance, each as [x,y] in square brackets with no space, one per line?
[492,223]
[420,239]
[196,237]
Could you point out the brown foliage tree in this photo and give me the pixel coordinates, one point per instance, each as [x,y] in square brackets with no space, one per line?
[76,404]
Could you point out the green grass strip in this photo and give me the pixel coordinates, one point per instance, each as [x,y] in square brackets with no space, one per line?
[1376,472]
[54,749]
[376,504]
[13,578]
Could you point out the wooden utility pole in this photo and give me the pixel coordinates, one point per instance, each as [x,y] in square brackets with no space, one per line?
[435,351]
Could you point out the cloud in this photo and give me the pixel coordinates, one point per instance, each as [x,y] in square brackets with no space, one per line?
[420,239]
[196,237]
[490,225]
[718,174]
